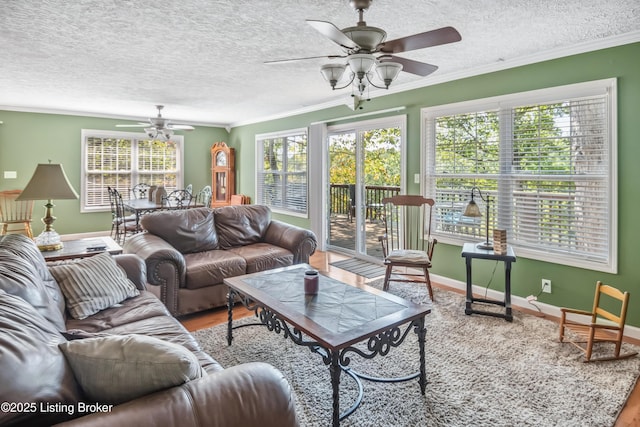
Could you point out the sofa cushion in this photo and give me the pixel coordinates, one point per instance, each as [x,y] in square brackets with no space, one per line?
[212,267]
[144,306]
[119,368]
[263,256]
[93,284]
[241,225]
[19,277]
[32,367]
[27,249]
[187,230]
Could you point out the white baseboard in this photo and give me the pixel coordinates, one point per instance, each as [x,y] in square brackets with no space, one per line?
[517,301]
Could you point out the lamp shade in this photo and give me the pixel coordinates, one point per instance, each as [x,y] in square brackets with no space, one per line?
[333,73]
[388,71]
[361,63]
[472,210]
[48,182]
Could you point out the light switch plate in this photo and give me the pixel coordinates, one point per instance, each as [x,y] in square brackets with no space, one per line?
[10,174]
[416,178]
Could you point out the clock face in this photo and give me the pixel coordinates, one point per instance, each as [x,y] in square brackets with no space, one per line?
[221,159]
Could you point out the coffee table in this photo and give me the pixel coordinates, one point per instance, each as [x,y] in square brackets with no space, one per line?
[331,322]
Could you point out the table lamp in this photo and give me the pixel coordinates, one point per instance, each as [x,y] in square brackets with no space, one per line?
[473,211]
[47,183]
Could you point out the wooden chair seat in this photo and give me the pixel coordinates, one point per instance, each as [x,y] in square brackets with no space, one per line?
[408,256]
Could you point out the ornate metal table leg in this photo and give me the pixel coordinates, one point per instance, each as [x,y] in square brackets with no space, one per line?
[335,370]
[230,298]
[422,332]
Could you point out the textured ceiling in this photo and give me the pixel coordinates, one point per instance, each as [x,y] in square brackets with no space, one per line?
[204,59]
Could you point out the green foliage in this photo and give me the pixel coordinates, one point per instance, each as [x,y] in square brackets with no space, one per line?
[381,157]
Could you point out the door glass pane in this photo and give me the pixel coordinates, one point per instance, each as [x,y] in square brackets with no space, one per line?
[380,179]
[342,181]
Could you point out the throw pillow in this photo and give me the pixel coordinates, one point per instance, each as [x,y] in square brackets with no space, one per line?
[92,284]
[120,368]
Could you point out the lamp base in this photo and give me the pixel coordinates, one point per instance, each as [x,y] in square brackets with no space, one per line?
[485,245]
[49,241]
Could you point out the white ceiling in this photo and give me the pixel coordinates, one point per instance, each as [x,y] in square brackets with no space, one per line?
[203,59]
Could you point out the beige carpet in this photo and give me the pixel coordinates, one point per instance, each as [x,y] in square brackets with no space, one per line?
[482,371]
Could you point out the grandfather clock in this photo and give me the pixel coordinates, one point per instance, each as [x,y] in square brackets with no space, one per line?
[223,172]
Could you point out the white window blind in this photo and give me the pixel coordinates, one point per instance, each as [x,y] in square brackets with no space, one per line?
[282,171]
[122,159]
[546,167]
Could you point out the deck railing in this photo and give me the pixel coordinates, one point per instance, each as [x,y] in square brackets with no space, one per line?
[342,198]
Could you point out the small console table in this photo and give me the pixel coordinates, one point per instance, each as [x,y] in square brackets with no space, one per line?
[469,252]
[82,248]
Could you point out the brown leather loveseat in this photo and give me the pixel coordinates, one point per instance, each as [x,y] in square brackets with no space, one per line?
[190,252]
[41,384]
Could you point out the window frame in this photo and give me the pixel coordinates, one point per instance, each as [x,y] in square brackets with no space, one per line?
[260,138]
[504,104]
[135,137]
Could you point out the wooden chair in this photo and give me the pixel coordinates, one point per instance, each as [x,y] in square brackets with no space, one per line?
[13,212]
[599,324]
[239,199]
[407,240]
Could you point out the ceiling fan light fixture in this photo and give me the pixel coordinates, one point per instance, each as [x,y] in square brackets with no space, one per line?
[333,73]
[361,64]
[368,38]
[388,71]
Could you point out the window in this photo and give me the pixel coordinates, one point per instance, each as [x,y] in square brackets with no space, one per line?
[546,161]
[123,159]
[282,171]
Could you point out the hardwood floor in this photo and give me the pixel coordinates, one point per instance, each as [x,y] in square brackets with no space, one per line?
[629,416]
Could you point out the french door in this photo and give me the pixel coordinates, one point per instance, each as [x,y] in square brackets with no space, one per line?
[365,165]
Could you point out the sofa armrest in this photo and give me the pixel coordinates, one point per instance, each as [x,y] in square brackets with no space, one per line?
[301,242]
[135,268]
[166,266]
[252,394]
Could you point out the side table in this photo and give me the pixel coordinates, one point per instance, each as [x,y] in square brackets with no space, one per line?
[469,252]
[78,248]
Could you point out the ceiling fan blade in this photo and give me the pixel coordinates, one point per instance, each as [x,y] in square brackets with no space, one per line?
[180,127]
[333,33]
[410,66]
[139,125]
[284,61]
[419,41]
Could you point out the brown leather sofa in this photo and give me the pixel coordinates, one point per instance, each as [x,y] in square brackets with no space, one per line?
[190,252]
[38,387]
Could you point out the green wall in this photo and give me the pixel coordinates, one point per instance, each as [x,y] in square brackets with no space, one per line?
[27,139]
[571,286]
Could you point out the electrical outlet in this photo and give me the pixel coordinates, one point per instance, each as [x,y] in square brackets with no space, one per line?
[546,286]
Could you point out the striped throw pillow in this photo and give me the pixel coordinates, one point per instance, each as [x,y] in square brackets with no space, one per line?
[92,284]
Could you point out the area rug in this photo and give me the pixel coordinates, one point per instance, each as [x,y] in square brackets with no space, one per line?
[481,371]
[363,268]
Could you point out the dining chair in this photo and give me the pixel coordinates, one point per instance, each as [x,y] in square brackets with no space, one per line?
[204,196]
[407,239]
[189,188]
[179,199]
[600,325]
[122,225]
[140,191]
[14,212]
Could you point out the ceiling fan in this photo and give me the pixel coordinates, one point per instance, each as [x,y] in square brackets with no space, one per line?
[159,126]
[366,49]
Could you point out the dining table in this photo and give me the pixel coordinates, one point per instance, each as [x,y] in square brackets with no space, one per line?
[140,207]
